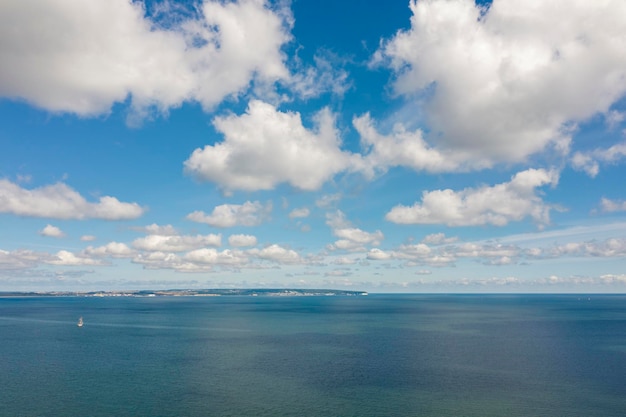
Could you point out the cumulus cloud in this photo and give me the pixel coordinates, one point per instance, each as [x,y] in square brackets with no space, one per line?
[181,243]
[21,259]
[239,241]
[59,201]
[265,147]
[439,239]
[278,254]
[350,238]
[157,260]
[82,57]
[66,258]
[376,254]
[213,257]
[497,205]
[230,215]
[51,231]
[155,229]
[501,83]
[400,148]
[590,161]
[87,238]
[111,249]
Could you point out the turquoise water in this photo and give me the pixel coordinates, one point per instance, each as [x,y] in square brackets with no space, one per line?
[381,355]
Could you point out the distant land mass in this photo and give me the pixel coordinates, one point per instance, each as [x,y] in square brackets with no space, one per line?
[186,293]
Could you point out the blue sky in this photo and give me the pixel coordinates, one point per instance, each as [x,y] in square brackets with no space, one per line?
[392,147]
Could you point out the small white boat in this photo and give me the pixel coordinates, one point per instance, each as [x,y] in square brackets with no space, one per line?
[80,322]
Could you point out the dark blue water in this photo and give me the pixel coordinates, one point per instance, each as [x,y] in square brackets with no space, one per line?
[418,355]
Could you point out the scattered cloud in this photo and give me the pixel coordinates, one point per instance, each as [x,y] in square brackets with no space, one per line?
[326,75]
[51,231]
[164,243]
[155,229]
[87,238]
[614,118]
[59,201]
[278,254]
[590,161]
[111,249]
[438,239]
[210,256]
[328,200]
[350,238]
[610,206]
[21,259]
[299,213]
[239,241]
[497,205]
[66,258]
[230,215]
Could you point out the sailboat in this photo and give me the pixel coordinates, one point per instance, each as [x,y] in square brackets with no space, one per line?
[80,322]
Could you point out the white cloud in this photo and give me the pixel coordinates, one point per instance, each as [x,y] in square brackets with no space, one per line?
[181,243]
[157,260]
[497,205]
[328,200]
[230,215]
[87,238]
[613,279]
[59,201]
[239,241]
[508,84]
[299,213]
[401,148]
[115,52]
[492,254]
[213,257]
[590,161]
[112,249]
[51,231]
[438,239]
[325,76]
[344,260]
[21,259]
[266,147]
[278,254]
[610,206]
[378,255]
[66,258]
[612,247]
[155,229]
[614,118]
[351,238]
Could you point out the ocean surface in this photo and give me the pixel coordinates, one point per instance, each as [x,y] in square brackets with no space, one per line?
[380,355]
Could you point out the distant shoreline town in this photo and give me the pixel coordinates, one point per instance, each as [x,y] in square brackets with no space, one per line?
[187,293]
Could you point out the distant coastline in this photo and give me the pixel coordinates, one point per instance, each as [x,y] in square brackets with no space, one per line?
[291,292]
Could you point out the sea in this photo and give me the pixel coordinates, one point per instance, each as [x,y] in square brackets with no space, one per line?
[376,355]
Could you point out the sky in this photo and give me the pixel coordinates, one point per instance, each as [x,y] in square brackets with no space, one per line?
[384,146]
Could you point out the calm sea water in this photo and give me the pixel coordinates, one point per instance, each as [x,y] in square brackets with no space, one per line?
[381,355]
